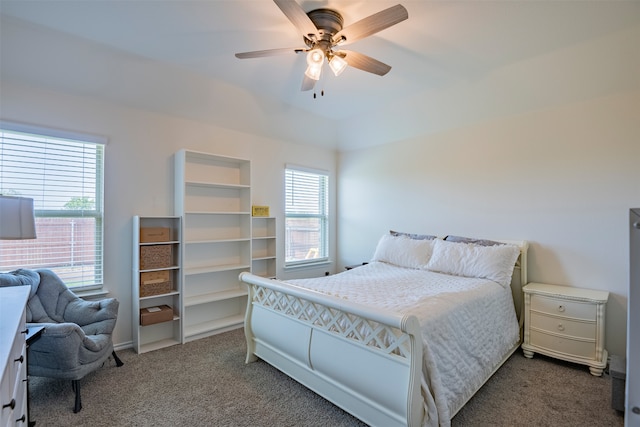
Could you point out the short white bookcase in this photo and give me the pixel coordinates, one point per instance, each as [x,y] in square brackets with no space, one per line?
[167,333]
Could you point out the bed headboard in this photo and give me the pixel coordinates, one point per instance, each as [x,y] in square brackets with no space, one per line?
[519,277]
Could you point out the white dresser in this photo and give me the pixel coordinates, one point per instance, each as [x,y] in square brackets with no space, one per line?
[566,323]
[13,356]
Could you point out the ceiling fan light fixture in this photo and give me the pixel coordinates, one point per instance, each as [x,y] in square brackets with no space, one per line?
[315,57]
[337,64]
[314,71]
[323,30]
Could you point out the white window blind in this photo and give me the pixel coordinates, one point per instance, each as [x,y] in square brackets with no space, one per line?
[306,216]
[64,176]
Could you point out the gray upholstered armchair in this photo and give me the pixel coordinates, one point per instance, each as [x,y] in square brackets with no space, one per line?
[77,335]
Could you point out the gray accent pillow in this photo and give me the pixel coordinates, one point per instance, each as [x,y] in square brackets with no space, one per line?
[413,236]
[480,242]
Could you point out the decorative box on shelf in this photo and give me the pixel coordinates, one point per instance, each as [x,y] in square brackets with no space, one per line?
[154,234]
[153,315]
[259,210]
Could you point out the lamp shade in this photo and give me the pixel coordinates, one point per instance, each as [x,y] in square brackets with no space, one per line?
[337,64]
[17,220]
[315,57]
[314,71]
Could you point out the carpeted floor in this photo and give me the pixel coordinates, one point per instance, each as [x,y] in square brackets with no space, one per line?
[207,383]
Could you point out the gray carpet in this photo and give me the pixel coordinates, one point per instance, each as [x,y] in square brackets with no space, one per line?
[207,383]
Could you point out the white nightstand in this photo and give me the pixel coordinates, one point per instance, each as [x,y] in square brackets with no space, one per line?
[566,323]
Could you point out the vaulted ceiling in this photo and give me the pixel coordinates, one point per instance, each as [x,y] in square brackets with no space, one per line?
[454,62]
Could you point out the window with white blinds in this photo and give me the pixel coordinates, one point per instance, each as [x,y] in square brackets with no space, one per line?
[306,216]
[63,173]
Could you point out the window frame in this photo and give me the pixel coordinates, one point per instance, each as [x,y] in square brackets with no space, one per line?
[98,210]
[323,216]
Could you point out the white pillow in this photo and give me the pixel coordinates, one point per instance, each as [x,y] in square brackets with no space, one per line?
[464,259]
[403,251]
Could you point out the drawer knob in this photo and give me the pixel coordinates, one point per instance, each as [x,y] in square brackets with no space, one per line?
[560,327]
[19,359]
[11,404]
[561,308]
[22,419]
[635,410]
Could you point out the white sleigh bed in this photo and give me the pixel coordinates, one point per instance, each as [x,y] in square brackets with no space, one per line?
[405,340]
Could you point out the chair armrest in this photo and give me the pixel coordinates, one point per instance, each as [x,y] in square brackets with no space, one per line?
[65,351]
[58,346]
[85,313]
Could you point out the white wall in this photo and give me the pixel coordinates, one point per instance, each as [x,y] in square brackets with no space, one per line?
[570,73]
[40,57]
[139,169]
[562,178]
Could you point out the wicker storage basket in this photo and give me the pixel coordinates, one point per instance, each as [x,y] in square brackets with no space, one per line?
[155,256]
[155,283]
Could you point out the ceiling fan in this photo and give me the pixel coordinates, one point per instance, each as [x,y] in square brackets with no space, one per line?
[323,34]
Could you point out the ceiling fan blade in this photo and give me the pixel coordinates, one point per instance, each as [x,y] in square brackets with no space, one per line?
[365,63]
[371,25]
[298,17]
[307,83]
[267,52]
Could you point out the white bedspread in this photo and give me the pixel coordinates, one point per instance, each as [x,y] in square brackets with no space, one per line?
[468,325]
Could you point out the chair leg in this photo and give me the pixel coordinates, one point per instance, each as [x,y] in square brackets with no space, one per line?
[75,384]
[117,359]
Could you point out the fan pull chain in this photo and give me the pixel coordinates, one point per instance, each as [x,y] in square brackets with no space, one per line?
[322,80]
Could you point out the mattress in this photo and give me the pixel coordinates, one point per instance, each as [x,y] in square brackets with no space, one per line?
[468,325]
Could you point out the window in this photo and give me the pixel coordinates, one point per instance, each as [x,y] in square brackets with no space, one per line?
[63,173]
[306,216]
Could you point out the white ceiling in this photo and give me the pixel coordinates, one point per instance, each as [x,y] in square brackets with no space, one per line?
[444,47]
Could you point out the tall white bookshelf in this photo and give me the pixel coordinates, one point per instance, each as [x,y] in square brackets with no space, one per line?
[213,196]
[263,247]
[162,334]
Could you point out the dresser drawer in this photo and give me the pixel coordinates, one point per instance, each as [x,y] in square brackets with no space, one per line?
[576,348]
[560,307]
[564,326]
[18,359]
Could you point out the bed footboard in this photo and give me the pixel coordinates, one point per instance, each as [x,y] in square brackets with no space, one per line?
[368,363]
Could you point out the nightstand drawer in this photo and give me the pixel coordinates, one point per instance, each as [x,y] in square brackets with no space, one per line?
[575,348]
[563,326]
[560,307]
